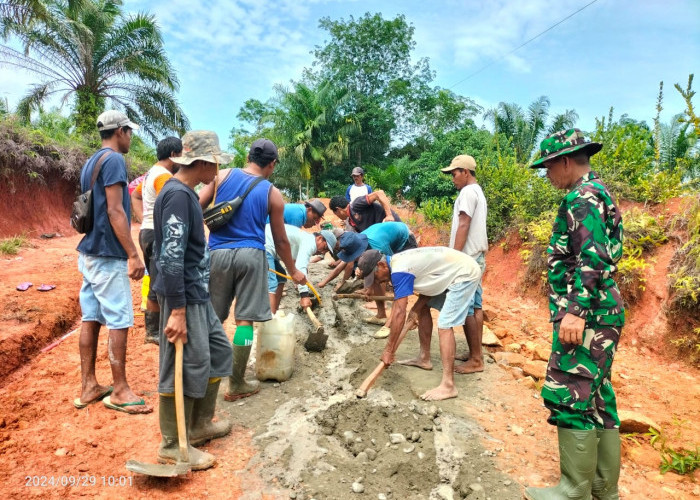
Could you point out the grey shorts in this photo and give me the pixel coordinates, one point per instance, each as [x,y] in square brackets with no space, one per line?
[241,274]
[207,353]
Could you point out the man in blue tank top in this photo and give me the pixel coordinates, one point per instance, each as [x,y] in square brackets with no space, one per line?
[238,262]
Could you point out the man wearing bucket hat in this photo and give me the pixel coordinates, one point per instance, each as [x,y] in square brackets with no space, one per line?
[107,257]
[358,187]
[587,315]
[389,238]
[238,263]
[468,235]
[181,285]
[445,279]
[304,246]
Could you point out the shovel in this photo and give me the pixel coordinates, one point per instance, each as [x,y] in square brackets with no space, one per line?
[182,467]
[316,342]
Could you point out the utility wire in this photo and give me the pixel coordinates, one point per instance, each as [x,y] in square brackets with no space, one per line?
[522,45]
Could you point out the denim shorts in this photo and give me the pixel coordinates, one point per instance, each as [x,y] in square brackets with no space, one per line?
[273,280]
[453,303]
[476,301]
[105,295]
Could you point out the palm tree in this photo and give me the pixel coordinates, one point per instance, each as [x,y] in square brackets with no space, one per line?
[312,129]
[526,129]
[95,56]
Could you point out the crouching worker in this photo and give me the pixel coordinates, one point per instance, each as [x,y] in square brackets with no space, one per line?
[182,288]
[446,279]
[303,246]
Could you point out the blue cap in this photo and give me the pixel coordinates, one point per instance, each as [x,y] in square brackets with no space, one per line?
[352,245]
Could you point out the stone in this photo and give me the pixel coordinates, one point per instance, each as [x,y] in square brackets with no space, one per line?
[536,369]
[371,454]
[381,496]
[516,372]
[632,421]
[445,492]
[541,353]
[349,437]
[530,345]
[396,438]
[61,452]
[362,457]
[415,436]
[489,338]
[501,333]
[513,347]
[421,455]
[476,487]
[358,487]
[528,382]
[432,411]
[409,449]
[518,431]
[510,358]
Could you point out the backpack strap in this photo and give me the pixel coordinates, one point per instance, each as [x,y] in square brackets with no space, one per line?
[96,170]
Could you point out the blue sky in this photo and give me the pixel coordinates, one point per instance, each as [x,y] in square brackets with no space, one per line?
[612,53]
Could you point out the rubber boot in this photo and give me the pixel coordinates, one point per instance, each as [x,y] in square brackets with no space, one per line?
[578,451]
[202,428]
[238,387]
[608,469]
[169,450]
[152,321]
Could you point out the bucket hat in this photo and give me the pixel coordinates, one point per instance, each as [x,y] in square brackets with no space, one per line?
[201,145]
[351,246]
[562,143]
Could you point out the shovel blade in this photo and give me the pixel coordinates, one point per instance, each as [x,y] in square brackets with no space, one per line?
[316,342]
[351,286]
[158,470]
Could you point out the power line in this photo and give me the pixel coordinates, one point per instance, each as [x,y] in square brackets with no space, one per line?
[523,44]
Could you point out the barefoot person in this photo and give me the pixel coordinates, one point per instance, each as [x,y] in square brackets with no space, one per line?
[468,235]
[107,258]
[448,277]
[587,315]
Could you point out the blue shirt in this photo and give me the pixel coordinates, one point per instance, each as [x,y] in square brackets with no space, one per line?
[387,237]
[246,229]
[294,214]
[101,240]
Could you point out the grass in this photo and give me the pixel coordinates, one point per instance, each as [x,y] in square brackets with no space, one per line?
[11,246]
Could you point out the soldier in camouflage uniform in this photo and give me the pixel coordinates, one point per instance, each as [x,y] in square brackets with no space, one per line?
[587,313]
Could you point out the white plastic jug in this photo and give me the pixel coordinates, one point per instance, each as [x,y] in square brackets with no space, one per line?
[275,348]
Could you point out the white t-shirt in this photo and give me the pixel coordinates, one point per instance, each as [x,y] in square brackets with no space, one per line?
[430,270]
[471,201]
[355,191]
[149,193]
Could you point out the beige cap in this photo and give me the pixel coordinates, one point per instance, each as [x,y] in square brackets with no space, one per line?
[462,161]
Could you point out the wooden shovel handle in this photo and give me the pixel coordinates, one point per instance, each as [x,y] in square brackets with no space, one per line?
[314,320]
[362,296]
[361,392]
[180,405]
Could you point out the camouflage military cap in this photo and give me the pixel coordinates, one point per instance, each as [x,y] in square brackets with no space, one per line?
[564,142]
[201,145]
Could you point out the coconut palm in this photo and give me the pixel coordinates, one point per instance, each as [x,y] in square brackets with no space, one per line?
[526,129]
[95,56]
[312,129]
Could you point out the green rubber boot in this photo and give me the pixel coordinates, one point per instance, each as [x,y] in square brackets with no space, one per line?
[152,321]
[238,387]
[203,429]
[169,450]
[578,451]
[608,469]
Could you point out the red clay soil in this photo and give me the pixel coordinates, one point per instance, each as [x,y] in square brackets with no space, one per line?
[44,440]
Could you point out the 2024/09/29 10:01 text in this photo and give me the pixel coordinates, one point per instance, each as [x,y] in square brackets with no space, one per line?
[79,481]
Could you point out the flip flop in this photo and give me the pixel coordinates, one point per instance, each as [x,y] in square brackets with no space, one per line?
[373,320]
[23,287]
[124,407]
[80,405]
[382,333]
[45,288]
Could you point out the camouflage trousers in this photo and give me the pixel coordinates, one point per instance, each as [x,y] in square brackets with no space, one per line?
[578,391]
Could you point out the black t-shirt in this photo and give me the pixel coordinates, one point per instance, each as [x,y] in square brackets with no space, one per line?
[364,214]
[180,250]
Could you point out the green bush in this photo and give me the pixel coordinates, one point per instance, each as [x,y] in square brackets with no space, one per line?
[438,211]
[10,246]
[536,235]
[685,264]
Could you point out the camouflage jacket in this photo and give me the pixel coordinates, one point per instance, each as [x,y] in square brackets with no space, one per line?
[585,247]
